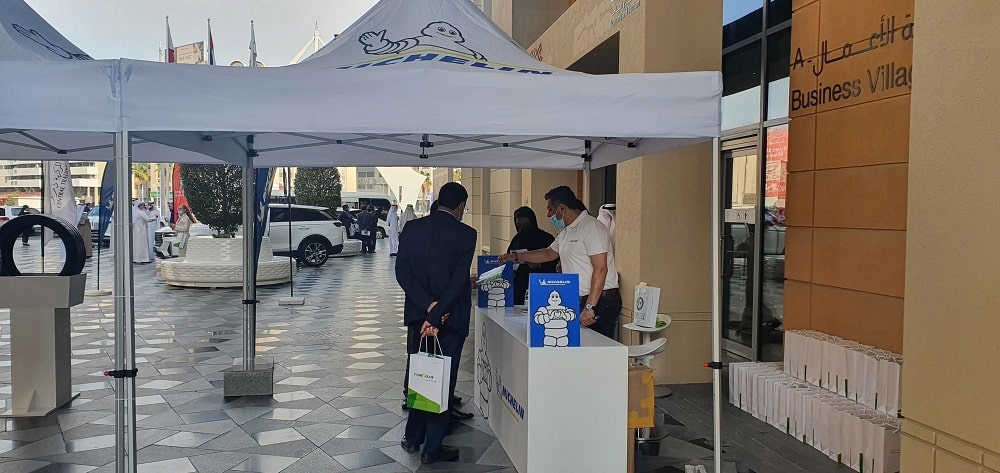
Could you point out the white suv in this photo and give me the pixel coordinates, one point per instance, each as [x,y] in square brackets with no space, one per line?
[316,233]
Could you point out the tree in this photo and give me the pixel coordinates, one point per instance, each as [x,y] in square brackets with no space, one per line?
[318,186]
[12,198]
[215,195]
[140,176]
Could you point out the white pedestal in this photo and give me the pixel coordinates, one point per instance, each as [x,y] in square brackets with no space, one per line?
[41,374]
[553,409]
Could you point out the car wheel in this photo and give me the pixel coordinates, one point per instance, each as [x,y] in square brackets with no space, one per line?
[381,233]
[314,251]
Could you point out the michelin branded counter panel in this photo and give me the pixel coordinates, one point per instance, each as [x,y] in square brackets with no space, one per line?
[555,395]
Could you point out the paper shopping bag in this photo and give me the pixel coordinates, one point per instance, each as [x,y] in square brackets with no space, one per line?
[647,303]
[429,378]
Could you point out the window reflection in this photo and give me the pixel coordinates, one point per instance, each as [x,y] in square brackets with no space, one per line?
[778,12]
[779,49]
[741,19]
[773,254]
[741,87]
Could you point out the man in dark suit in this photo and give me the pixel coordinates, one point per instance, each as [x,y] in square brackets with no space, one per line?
[432,267]
[367,222]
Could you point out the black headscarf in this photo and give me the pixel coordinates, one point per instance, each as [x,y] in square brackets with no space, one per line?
[532,238]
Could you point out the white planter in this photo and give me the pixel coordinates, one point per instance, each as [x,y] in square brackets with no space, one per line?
[218,262]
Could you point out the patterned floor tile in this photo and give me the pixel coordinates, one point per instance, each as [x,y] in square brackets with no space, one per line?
[339,361]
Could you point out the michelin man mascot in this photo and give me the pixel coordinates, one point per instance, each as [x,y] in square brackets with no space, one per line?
[485,376]
[496,292]
[555,317]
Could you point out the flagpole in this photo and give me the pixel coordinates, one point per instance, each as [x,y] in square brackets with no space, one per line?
[42,240]
[211,45]
[291,299]
[253,47]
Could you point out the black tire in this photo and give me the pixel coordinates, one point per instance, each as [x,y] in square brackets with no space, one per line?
[10,232]
[381,233]
[314,251]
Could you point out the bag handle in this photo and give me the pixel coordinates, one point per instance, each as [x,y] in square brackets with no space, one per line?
[424,342]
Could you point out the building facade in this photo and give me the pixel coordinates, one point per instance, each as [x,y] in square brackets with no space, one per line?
[855,191]
[22,181]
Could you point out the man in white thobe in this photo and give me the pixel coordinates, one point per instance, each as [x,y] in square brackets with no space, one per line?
[393,221]
[140,233]
[152,227]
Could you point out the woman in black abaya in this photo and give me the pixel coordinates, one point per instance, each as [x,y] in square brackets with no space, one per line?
[529,237]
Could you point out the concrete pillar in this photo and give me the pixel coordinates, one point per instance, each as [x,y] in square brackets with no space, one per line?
[526,20]
[663,226]
[950,379]
[505,197]
[477,215]
[440,177]
[535,184]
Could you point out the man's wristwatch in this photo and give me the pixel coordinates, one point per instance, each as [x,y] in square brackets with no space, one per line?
[588,306]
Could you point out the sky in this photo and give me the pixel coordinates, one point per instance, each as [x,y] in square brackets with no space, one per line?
[135,29]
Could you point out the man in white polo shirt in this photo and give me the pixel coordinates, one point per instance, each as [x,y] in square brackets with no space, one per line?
[584,247]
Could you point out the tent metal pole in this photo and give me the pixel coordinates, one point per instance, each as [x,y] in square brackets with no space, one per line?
[124,303]
[249,258]
[717,303]
[288,202]
[586,174]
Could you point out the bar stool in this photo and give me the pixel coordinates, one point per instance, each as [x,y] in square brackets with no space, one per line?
[646,334]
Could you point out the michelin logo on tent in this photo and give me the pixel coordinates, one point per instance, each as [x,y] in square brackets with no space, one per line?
[60,51]
[432,44]
[439,34]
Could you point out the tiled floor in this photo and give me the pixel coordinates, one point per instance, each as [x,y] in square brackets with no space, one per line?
[339,363]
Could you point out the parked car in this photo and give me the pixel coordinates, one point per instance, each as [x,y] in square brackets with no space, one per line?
[95,219]
[382,225]
[316,233]
[8,212]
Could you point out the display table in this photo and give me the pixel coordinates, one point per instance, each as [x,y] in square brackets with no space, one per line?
[41,374]
[554,410]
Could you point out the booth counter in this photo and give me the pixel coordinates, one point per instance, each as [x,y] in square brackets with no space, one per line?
[553,409]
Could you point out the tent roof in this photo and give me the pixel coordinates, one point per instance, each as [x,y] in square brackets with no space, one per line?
[411,83]
[80,87]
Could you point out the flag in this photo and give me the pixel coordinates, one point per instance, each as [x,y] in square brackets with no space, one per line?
[107,201]
[211,45]
[59,200]
[178,188]
[264,178]
[253,47]
[171,51]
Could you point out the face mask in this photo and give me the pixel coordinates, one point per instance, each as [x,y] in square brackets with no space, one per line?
[557,222]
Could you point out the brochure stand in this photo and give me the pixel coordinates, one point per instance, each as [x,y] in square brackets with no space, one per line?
[41,374]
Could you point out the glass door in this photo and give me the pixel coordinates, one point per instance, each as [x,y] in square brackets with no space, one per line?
[740,186]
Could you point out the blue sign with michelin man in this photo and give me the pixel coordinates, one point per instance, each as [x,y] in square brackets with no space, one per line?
[554,310]
[498,290]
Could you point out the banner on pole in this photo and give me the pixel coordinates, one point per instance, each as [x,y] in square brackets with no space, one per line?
[262,197]
[59,199]
[178,186]
[107,202]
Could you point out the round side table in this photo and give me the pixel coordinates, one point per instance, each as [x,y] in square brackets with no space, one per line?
[646,334]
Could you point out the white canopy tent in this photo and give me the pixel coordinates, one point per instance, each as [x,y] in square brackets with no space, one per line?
[83,95]
[411,83]
[427,83]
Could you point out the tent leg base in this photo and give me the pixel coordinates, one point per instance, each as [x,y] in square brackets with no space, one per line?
[256,382]
[292,301]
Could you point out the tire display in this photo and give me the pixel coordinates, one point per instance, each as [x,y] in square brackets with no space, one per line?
[11,231]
